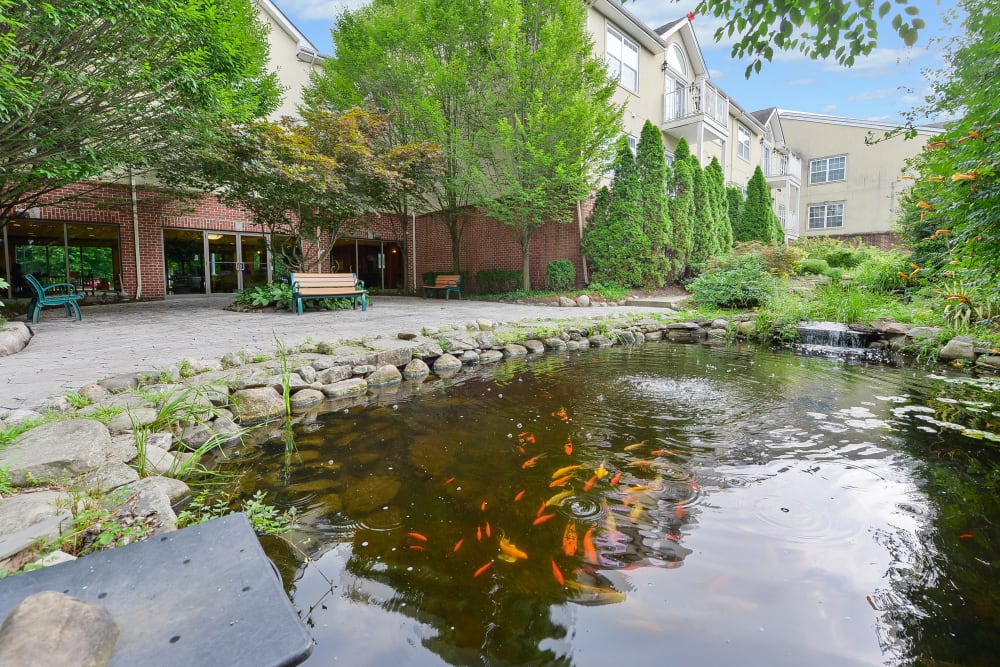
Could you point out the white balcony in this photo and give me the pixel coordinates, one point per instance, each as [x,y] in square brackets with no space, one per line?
[699,101]
[782,166]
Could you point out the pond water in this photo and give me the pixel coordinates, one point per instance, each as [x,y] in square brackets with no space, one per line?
[670,503]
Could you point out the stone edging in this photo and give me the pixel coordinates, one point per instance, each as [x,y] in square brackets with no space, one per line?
[14,337]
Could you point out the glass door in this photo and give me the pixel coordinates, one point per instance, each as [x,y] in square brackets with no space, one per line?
[184,261]
[253,261]
[223,268]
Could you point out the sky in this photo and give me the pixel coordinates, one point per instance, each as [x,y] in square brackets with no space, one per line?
[882,86]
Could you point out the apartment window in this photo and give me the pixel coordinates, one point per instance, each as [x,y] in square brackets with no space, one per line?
[633,144]
[828,169]
[623,59]
[743,142]
[825,216]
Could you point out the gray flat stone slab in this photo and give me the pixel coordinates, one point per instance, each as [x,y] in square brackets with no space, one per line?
[28,516]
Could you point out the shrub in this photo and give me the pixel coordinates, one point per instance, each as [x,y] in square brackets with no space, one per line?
[278,295]
[779,259]
[745,283]
[814,266]
[498,281]
[881,272]
[560,274]
[835,252]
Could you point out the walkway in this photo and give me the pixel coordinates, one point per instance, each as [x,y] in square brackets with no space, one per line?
[65,355]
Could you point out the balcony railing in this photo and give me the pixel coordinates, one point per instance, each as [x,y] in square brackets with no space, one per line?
[699,98]
[782,164]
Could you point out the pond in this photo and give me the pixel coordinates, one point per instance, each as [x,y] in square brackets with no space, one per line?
[679,503]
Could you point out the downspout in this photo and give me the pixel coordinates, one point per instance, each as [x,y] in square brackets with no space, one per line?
[135,232]
[583,260]
[413,251]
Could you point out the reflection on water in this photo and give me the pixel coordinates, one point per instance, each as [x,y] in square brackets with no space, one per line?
[704,506]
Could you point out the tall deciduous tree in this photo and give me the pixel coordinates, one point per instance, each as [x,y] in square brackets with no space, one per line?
[758,221]
[557,118]
[425,62]
[91,87]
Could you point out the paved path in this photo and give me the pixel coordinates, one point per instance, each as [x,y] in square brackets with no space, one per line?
[65,355]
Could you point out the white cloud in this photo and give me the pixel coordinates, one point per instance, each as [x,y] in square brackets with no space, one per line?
[881,61]
[312,10]
[829,108]
[715,74]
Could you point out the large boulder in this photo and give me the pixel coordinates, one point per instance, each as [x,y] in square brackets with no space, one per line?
[57,451]
[446,363]
[27,517]
[385,374]
[252,406]
[416,369]
[332,374]
[14,336]
[126,421]
[959,348]
[51,628]
[346,388]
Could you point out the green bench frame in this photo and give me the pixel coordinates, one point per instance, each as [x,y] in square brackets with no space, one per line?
[447,283]
[56,294]
[328,286]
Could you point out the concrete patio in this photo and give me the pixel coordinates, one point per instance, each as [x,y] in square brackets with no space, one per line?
[65,355]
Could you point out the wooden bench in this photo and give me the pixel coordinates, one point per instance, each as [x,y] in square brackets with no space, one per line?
[446,284]
[56,294]
[328,286]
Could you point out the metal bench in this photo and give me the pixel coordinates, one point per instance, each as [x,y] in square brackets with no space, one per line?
[328,286]
[445,283]
[57,294]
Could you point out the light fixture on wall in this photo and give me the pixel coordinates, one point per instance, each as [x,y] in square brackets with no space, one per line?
[663,66]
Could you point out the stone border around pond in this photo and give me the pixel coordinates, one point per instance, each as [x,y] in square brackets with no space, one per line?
[74,454]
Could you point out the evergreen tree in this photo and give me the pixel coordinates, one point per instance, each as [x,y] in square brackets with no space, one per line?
[682,151]
[734,204]
[703,243]
[682,213]
[758,221]
[614,242]
[652,172]
[717,189]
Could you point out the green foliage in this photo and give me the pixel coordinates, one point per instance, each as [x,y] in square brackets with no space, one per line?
[881,272]
[682,212]
[278,294]
[743,283]
[758,221]
[95,528]
[653,174]
[498,281]
[76,400]
[555,112]
[703,244]
[949,216]
[779,259]
[560,274]
[734,204]
[609,292]
[3,286]
[814,266]
[94,87]
[835,252]
[722,229]
[6,488]
[265,519]
[840,30]
[614,242]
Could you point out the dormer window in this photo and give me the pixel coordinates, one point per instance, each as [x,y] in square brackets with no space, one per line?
[676,59]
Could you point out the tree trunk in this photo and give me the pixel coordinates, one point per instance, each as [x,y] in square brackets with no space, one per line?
[455,226]
[526,260]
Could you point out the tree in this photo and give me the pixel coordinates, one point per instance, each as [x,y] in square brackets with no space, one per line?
[425,63]
[703,240]
[758,221]
[557,118]
[682,210]
[614,241]
[313,179]
[951,216]
[841,30]
[720,216]
[734,204]
[653,174]
[92,87]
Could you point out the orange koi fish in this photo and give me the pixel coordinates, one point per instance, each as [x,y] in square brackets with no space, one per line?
[562,481]
[509,552]
[679,512]
[558,498]
[568,447]
[617,478]
[542,519]
[520,494]
[663,452]
[602,470]
[561,414]
[489,533]
[694,485]
[458,545]
[482,508]
[541,509]
[635,445]
[565,470]
[569,539]
[557,574]
[588,547]
[482,569]
[479,533]
[642,464]
[532,461]
[590,483]
[416,547]
[966,536]
[417,536]
[526,437]
[449,481]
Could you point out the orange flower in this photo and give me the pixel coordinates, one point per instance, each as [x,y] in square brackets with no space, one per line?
[924,205]
[971,176]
